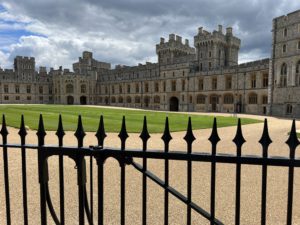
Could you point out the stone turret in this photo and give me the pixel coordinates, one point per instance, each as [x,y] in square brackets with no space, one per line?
[216,50]
[174,48]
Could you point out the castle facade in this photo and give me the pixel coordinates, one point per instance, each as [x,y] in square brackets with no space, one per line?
[202,78]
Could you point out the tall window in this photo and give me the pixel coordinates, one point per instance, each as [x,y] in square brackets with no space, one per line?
[200,84]
[209,66]
[298,73]
[201,67]
[200,99]
[228,82]
[156,99]
[17,89]
[5,88]
[173,85]
[228,99]
[69,88]
[265,99]
[128,88]
[183,85]
[265,80]
[253,81]
[214,83]
[83,88]
[146,87]
[285,32]
[283,75]
[156,87]
[298,45]
[164,86]
[120,89]
[28,89]
[113,89]
[289,109]
[137,88]
[284,48]
[253,98]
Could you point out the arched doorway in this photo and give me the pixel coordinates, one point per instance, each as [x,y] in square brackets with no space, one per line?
[70,100]
[174,102]
[83,100]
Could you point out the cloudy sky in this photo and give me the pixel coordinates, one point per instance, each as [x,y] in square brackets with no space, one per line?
[125,32]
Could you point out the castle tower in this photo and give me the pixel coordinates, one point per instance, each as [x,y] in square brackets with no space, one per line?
[174,48]
[216,50]
[284,76]
[24,68]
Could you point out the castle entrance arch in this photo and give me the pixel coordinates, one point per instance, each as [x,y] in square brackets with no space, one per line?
[70,100]
[83,100]
[174,104]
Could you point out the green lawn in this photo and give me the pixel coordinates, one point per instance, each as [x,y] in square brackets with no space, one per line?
[112,118]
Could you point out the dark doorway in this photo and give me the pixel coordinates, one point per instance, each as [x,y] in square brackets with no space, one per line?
[83,100]
[70,100]
[174,102]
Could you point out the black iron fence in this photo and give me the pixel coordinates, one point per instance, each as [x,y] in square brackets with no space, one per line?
[126,157]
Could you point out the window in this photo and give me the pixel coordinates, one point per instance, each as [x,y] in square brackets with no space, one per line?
[173,85]
[128,99]
[156,87]
[28,89]
[120,99]
[120,89]
[146,87]
[5,88]
[41,89]
[200,99]
[113,100]
[183,85]
[6,97]
[200,84]
[228,82]
[137,99]
[265,99]
[209,65]
[17,89]
[17,97]
[50,90]
[298,73]
[137,88]
[201,67]
[113,89]
[289,109]
[83,88]
[128,88]
[156,99]
[191,99]
[209,54]
[285,32]
[283,75]
[298,45]
[265,80]
[182,98]
[201,55]
[164,86]
[253,81]
[28,98]
[69,89]
[214,83]
[228,99]
[41,98]
[253,98]
[284,48]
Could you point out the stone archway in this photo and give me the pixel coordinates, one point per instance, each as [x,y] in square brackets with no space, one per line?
[70,100]
[174,104]
[83,100]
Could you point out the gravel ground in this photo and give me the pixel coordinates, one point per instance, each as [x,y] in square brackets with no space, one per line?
[225,183]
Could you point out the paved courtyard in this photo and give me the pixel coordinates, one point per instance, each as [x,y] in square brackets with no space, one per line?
[225,184]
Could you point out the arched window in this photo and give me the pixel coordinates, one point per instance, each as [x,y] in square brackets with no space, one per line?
[252,98]
[283,73]
[137,99]
[113,100]
[83,88]
[128,99]
[228,99]
[289,109]
[69,89]
[156,99]
[284,48]
[120,99]
[200,99]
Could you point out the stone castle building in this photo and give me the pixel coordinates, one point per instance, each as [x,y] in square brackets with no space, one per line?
[203,78]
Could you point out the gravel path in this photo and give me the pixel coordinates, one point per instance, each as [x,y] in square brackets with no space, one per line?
[225,184]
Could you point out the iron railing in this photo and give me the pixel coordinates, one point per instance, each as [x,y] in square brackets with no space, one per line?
[126,157]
